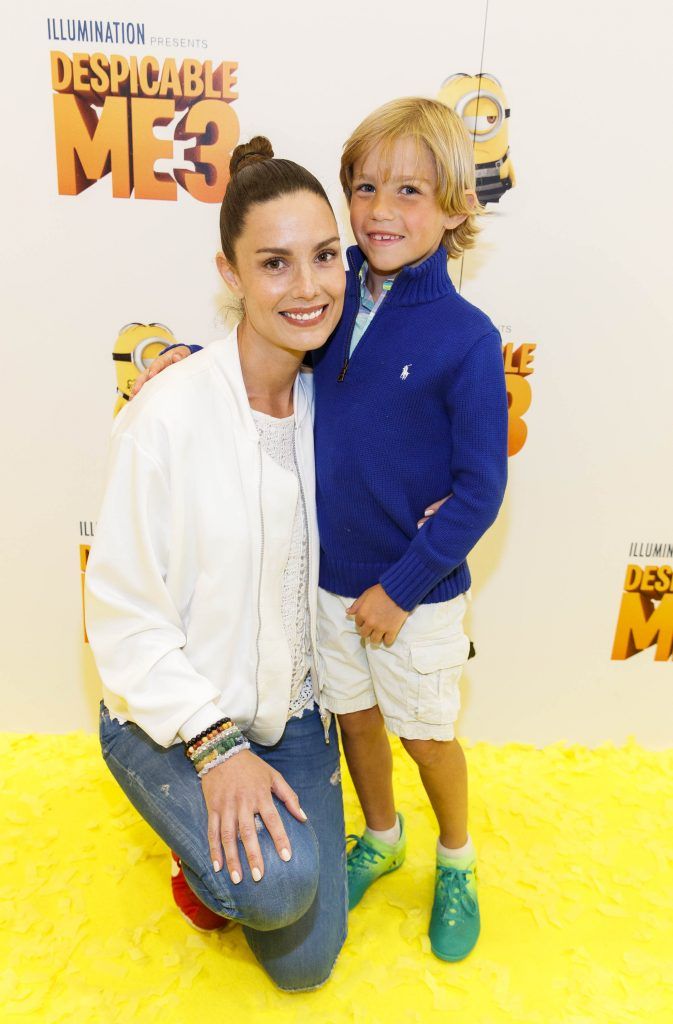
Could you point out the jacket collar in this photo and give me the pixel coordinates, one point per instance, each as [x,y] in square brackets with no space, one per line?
[413,285]
[225,357]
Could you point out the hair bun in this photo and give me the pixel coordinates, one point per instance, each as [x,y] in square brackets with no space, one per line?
[259,148]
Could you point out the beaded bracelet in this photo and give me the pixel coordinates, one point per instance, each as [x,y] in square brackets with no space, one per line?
[220,746]
[207,744]
[209,733]
[221,758]
[215,745]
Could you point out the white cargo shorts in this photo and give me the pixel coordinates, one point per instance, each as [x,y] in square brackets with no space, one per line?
[414,681]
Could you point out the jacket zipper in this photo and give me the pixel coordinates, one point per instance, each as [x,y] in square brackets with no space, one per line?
[259,585]
[308,572]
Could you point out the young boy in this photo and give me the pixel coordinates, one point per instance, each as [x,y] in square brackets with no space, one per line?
[410,406]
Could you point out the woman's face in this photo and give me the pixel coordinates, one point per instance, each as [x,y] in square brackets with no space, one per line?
[289,271]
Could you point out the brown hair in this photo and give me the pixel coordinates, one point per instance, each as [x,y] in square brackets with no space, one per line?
[439,129]
[258,177]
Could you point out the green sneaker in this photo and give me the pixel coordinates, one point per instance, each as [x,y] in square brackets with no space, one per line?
[455,924]
[368,859]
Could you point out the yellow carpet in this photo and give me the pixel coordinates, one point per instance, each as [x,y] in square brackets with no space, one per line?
[576,859]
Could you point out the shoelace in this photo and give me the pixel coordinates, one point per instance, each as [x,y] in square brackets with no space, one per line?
[454,893]
[362,855]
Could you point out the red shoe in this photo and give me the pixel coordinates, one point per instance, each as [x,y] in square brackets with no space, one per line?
[190,906]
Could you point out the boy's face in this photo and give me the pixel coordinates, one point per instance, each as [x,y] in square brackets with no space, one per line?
[396,218]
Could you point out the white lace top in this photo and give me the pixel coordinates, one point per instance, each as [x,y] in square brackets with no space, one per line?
[277,438]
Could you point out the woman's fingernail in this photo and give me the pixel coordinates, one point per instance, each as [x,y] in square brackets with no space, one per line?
[216,865]
[235,877]
[303,815]
[285,854]
[429,512]
[256,874]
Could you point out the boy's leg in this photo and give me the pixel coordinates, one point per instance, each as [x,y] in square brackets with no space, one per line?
[443,771]
[416,685]
[348,691]
[382,847]
[370,763]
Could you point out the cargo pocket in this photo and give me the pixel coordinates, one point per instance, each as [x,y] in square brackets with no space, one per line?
[436,667]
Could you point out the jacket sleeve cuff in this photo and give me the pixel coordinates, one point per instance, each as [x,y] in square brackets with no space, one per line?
[203,719]
[408,581]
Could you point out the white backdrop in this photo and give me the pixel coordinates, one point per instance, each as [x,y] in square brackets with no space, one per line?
[574,260]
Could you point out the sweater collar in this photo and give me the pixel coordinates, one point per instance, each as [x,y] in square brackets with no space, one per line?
[425,282]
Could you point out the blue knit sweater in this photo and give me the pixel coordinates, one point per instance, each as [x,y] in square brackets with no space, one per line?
[418,412]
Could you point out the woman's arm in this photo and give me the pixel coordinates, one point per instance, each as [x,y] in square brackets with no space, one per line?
[137,637]
[134,627]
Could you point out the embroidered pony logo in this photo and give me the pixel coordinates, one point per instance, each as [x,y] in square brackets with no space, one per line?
[405,371]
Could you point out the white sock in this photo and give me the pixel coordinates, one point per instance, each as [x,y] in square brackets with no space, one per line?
[387,835]
[463,851]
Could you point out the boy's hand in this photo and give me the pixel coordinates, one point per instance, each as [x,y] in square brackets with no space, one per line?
[377,617]
[159,364]
[430,511]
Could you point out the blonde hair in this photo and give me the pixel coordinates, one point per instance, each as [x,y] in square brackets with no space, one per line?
[442,132]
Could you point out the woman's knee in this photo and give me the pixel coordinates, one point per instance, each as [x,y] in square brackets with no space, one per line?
[287,888]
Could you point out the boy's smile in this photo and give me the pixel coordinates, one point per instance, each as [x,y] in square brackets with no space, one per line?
[395,214]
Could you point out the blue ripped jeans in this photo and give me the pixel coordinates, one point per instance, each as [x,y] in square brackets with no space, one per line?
[295,918]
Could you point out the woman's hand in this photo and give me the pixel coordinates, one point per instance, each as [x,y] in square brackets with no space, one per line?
[377,617]
[234,792]
[430,511]
[159,364]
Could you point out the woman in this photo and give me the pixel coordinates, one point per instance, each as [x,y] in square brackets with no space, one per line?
[201,591]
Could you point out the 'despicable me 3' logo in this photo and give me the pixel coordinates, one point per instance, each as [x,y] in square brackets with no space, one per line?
[106,109]
[518,367]
[645,613]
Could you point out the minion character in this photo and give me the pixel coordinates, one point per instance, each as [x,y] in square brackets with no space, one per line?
[135,348]
[481,102]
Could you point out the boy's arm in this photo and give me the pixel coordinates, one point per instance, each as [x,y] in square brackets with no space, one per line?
[479,470]
[173,354]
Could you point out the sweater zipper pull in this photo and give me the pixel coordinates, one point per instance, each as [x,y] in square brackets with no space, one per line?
[344,370]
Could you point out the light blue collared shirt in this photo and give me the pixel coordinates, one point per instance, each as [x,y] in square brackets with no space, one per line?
[368,307]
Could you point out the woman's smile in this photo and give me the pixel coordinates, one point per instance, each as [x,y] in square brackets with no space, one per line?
[308,317]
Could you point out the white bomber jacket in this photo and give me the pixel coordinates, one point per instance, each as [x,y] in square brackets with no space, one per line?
[183,581]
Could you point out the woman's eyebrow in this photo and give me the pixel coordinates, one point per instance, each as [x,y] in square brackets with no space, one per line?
[328,241]
[278,251]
